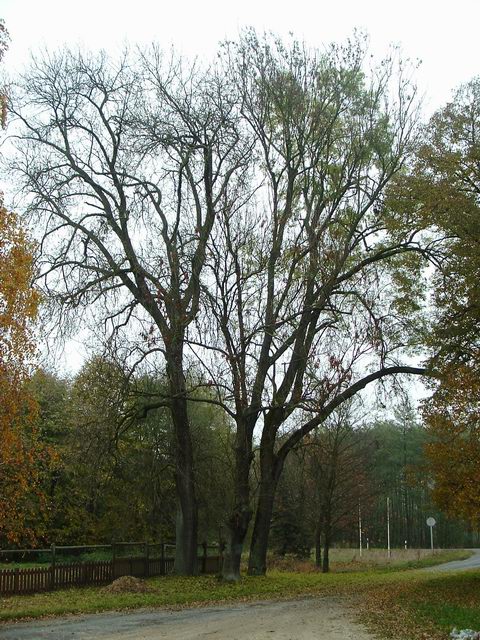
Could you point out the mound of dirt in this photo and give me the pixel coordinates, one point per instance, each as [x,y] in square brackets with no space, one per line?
[128,584]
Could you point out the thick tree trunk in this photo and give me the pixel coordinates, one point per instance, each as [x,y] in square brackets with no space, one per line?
[241,514]
[326,551]
[318,546]
[326,559]
[238,527]
[257,561]
[187,508]
[270,469]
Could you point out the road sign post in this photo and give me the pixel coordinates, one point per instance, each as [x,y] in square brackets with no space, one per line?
[431,522]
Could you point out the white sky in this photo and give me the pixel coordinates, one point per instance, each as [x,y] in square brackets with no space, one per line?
[444,35]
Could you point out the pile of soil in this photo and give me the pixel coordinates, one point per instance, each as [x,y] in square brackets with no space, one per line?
[128,584]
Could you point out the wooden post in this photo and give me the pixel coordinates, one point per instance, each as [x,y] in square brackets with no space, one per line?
[114,558]
[52,568]
[163,571]
[147,560]
[204,558]
[16,577]
[221,550]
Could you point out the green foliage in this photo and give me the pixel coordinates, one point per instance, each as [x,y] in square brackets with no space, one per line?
[291,525]
[400,473]
[442,190]
[325,480]
[113,477]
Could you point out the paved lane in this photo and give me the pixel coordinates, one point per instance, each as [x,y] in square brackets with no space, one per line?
[458,565]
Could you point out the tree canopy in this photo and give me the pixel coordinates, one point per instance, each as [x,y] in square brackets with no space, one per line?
[442,188]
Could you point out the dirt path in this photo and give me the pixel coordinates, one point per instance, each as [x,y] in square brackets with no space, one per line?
[458,565]
[312,619]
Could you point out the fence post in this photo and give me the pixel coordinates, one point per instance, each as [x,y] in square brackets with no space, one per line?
[221,551]
[204,558]
[52,568]
[16,577]
[147,560]
[163,571]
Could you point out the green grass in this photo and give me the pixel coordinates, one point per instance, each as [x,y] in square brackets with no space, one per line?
[448,616]
[180,591]
[450,601]
[428,606]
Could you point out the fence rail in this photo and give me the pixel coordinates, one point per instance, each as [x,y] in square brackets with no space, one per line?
[35,579]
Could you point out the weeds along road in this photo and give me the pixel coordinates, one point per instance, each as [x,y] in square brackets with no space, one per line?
[312,619]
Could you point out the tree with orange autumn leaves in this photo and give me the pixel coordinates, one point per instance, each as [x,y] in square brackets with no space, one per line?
[453,419]
[21,455]
[445,189]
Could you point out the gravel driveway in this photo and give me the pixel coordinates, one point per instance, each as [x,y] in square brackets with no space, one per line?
[312,619]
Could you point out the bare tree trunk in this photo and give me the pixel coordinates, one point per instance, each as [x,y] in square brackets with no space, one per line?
[242,513]
[318,546]
[257,562]
[270,469]
[326,549]
[187,508]
[233,556]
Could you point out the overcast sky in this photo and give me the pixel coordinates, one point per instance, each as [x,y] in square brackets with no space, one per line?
[444,35]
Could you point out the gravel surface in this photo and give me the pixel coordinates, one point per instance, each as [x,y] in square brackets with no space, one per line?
[312,619]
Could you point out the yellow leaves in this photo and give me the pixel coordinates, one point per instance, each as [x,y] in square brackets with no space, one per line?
[19,451]
[453,421]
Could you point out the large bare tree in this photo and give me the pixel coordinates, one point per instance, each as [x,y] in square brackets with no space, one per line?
[307,301]
[238,213]
[126,164]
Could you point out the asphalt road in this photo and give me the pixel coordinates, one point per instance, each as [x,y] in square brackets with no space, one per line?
[312,619]
[458,565]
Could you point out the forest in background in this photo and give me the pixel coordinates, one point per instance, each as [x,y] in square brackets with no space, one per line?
[110,475]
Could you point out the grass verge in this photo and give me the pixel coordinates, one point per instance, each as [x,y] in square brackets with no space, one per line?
[176,592]
[426,607]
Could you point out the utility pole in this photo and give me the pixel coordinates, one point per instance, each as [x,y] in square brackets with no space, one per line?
[389,552]
[360,528]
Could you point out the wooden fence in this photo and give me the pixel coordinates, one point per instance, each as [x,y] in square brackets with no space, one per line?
[36,579]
